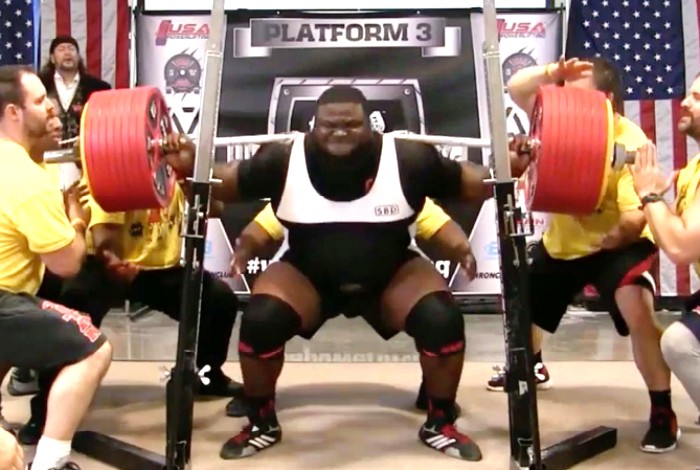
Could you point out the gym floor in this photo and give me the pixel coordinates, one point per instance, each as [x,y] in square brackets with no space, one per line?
[346,398]
[583,336]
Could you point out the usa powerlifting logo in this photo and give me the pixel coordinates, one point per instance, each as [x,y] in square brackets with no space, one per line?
[514,62]
[169,30]
[521,29]
[182,74]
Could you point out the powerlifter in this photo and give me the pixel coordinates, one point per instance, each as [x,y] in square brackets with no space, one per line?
[435,231]
[610,249]
[347,197]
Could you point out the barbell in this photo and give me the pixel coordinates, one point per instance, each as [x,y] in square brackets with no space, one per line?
[122,131]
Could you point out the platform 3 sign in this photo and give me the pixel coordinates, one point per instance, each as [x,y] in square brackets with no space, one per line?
[431,35]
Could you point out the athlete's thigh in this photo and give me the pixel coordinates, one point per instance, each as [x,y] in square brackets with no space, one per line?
[286,282]
[412,281]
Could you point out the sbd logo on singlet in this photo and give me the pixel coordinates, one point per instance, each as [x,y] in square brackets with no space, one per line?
[387,210]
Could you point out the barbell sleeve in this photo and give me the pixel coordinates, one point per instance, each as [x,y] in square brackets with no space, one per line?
[621,157]
[69,155]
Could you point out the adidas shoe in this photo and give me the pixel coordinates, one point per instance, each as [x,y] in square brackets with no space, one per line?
[251,440]
[446,438]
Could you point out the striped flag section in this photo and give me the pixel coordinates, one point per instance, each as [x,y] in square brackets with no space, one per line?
[101,24]
[642,37]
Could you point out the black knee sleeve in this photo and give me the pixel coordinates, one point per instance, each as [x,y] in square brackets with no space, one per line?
[267,324]
[436,325]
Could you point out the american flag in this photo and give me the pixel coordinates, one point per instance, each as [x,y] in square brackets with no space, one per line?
[17,32]
[655,45]
[101,28]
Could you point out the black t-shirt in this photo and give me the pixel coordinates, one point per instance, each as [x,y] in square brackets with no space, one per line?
[332,254]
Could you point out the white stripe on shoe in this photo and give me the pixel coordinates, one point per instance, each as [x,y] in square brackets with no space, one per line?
[440,441]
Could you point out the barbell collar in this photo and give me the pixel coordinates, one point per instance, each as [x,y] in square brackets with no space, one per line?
[621,157]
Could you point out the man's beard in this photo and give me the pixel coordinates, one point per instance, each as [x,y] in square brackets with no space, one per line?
[68,68]
[36,131]
[692,130]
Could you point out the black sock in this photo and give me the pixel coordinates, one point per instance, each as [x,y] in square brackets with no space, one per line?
[441,409]
[261,408]
[661,399]
[537,357]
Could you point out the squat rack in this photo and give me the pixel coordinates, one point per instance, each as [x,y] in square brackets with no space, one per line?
[183,378]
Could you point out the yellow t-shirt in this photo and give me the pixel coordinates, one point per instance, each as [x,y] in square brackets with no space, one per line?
[570,237]
[687,189]
[428,222]
[54,173]
[33,219]
[150,238]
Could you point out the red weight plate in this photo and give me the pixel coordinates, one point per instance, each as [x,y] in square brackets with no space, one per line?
[169,176]
[94,128]
[163,178]
[105,152]
[569,128]
[153,190]
[137,165]
[134,166]
[598,163]
[118,126]
[94,131]
[123,116]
